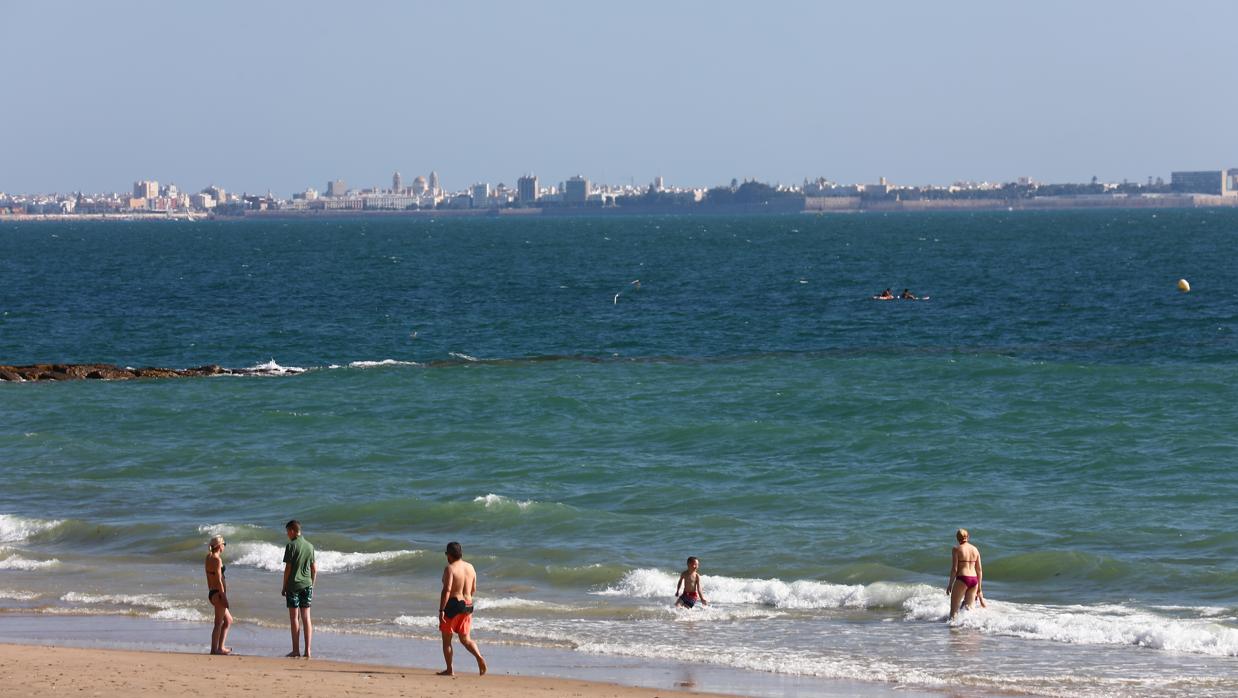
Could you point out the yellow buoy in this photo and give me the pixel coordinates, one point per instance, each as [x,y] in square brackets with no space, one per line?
[1184,286]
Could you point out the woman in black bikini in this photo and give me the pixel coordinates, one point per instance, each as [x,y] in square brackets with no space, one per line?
[218,595]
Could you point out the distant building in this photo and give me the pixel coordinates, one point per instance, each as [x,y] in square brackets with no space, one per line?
[659,184]
[419,185]
[434,185]
[1215,182]
[576,190]
[202,201]
[526,189]
[145,189]
[217,193]
[480,194]
[388,202]
[336,188]
[397,183]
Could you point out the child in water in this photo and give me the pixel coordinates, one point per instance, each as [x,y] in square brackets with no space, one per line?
[690,583]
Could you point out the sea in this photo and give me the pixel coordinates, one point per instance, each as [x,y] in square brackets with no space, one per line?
[584,402]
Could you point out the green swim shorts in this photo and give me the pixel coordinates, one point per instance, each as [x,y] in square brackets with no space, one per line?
[300,598]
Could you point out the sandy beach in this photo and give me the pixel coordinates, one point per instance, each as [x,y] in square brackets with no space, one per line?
[27,670]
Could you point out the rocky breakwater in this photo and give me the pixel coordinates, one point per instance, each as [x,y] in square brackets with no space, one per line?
[68,372]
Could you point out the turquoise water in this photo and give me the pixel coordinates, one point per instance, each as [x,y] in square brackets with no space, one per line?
[747,403]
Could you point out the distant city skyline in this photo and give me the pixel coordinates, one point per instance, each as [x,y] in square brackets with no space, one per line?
[286,97]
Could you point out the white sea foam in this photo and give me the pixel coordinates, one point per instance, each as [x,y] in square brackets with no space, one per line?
[271,368]
[494,500]
[271,558]
[487,603]
[799,663]
[596,638]
[1088,625]
[151,605]
[227,529]
[188,614]
[14,595]
[1201,611]
[462,357]
[15,529]
[417,621]
[713,613]
[17,562]
[1109,624]
[801,594]
[384,362]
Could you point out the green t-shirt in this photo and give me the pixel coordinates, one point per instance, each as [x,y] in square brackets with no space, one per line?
[300,554]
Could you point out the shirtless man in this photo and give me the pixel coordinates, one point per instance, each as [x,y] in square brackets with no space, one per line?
[217,595]
[966,574]
[690,582]
[455,607]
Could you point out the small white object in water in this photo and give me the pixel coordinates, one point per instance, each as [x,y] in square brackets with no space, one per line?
[1184,286]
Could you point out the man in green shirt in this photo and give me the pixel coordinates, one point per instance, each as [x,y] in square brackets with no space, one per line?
[299,574]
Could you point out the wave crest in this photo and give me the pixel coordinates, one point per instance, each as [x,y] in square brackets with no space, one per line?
[492,501]
[1089,625]
[17,529]
[801,594]
[270,557]
[150,605]
[271,368]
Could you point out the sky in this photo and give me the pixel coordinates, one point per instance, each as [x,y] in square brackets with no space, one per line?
[281,96]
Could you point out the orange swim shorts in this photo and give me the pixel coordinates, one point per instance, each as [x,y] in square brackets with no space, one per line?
[459,624]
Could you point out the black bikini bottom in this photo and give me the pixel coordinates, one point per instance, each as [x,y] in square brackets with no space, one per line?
[455,607]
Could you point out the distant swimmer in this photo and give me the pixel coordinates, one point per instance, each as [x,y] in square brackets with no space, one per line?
[886,295]
[966,574]
[907,296]
[688,591]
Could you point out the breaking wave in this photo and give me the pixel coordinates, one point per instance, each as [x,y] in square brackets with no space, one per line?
[17,529]
[270,557]
[150,605]
[802,594]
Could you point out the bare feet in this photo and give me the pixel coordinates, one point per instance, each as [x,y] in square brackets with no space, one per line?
[224,651]
[481,666]
[293,654]
[446,672]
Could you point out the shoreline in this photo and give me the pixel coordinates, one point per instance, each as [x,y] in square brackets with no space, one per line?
[514,670]
[809,205]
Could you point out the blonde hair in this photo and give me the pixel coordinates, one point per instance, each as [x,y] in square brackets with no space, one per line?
[961,535]
[216,542]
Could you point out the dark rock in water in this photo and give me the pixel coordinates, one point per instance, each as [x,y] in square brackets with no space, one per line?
[152,372]
[111,373]
[62,372]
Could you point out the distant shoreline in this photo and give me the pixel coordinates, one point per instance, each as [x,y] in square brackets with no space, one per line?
[793,205]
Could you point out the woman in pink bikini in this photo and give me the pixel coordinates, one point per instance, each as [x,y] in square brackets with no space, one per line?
[966,574]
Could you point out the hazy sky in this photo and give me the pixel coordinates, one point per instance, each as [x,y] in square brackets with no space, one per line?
[267,95]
